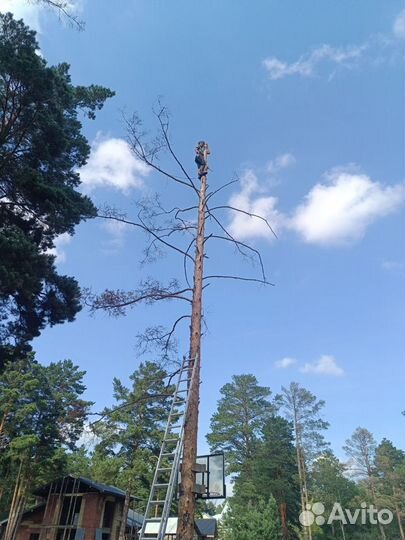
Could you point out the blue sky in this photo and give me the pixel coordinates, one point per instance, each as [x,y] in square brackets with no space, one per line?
[304,101]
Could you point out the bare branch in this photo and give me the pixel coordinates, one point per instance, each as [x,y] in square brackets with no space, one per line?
[228,234]
[158,337]
[169,334]
[147,155]
[146,229]
[146,397]
[251,214]
[255,280]
[246,246]
[115,302]
[163,117]
[63,8]
[212,193]
[185,262]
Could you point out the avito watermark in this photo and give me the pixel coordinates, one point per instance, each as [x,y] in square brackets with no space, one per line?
[366,514]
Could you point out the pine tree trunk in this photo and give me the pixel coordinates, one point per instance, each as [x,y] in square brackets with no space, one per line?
[185,526]
[374,499]
[305,489]
[342,528]
[300,482]
[124,517]
[283,519]
[301,478]
[398,514]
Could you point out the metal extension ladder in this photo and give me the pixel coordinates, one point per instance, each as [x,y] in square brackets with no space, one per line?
[167,467]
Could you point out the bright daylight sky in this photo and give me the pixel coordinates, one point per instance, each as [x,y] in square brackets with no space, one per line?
[304,101]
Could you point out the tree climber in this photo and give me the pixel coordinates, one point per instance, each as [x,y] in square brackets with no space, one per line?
[202,152]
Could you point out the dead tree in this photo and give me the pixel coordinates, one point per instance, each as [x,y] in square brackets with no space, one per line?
[175,230]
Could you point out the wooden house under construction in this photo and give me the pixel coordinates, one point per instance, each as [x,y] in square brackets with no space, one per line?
[76,508]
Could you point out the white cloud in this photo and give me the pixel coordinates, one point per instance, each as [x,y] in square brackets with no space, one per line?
[340,211]
[59,247]
[392,266]
[306,65]
[326,365]
[112,163]
[117,231]
[252,199]
[337,211]
[21,9]
[280,162]
[285,363]
[399,25]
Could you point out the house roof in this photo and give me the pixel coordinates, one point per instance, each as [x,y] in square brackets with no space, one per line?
[134,519]
[70,482]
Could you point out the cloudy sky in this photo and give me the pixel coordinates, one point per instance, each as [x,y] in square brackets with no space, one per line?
[304,102]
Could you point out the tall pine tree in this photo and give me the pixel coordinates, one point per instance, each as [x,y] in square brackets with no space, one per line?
[237,424]
[41,150]
[303,410]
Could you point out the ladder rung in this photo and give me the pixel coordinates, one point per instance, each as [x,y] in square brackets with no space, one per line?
[168,454]
[160,485]
[182,391]
[176,439]
[157,502]
[184,380]
[176,426]
[164,469]
[153,520]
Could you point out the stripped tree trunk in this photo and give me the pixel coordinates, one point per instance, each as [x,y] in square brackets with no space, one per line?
[185,526]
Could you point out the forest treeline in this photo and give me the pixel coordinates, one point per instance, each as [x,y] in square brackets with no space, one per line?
[277,456]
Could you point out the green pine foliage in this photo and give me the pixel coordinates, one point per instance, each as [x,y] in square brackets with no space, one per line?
[237,424]
[273,470]
[41,150]
[130,432]
[43,414]
[256,521]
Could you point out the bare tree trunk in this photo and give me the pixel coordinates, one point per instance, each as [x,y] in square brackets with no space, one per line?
[185,526]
